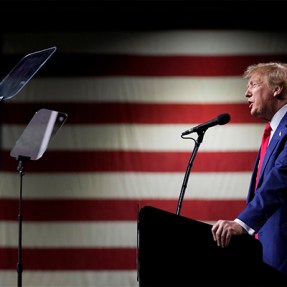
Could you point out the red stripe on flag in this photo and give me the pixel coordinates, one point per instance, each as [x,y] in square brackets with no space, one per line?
[128,161]
[70,259]
[115,210]
[136,113]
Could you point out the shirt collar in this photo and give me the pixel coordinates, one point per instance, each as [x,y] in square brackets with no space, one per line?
[278,117]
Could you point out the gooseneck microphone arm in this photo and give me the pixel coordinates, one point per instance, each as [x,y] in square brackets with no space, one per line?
[219,120]
[200,130]
[188,169]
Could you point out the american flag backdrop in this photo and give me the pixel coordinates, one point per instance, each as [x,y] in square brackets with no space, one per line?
[128,96]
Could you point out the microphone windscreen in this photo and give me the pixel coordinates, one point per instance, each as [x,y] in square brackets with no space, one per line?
[223,119]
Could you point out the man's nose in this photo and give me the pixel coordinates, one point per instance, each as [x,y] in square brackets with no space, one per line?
[247,93]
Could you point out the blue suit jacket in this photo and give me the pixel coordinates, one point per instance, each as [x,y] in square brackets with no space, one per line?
[266,210]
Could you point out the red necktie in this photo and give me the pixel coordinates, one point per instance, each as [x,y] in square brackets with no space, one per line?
[264,144]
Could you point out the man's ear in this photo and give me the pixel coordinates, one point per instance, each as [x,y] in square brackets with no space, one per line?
[277,90]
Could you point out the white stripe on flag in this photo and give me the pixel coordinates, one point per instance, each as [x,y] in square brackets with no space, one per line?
[71,279]
[128,185]
[135,89]
[70,234]
[144,137]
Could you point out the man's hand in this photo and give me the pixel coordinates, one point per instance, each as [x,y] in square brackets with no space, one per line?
[223,230]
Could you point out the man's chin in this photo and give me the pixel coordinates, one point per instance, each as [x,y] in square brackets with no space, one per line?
[254,113]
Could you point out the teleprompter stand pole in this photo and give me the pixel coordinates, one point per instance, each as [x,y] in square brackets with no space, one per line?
[31,146]
[188,169]
[20,169]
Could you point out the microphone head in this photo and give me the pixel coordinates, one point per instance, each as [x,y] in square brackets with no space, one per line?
[223,119]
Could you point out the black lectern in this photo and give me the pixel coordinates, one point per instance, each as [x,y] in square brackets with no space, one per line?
[177,251]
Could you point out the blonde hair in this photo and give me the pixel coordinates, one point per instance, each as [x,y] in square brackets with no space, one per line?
[275,74]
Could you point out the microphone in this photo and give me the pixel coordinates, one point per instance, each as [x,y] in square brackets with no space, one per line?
[219,120]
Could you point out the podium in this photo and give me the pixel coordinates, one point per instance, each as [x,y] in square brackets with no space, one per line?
[177,251]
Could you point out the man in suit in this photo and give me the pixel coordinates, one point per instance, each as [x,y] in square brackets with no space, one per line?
[265,214]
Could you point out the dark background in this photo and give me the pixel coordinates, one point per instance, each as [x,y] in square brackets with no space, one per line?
[91,15]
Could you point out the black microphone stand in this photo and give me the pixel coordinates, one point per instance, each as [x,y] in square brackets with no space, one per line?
[188,169]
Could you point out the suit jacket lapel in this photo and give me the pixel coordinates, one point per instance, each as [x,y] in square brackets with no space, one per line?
[279,133]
